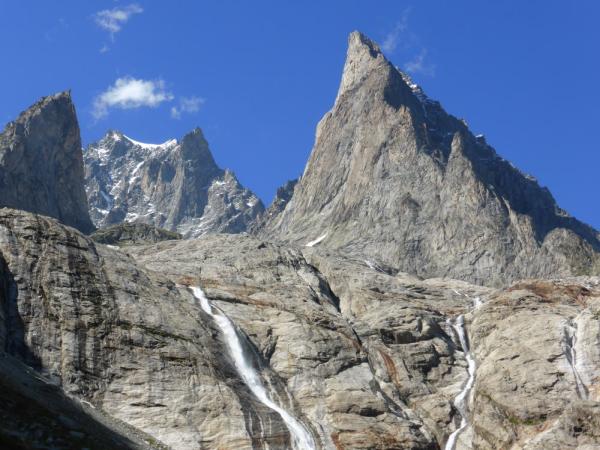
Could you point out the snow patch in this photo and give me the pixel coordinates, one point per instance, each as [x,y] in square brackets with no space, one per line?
[135,170]
[166,144]
[131,217]
[109,201]
[316,241]
[374,266]
[103,153]
[85,402]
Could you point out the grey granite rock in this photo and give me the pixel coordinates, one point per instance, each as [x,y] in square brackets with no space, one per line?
[130,342]
[282,197]
[132,233]
[35,413]
[362,356]
[41,164]
[394,178]
[290,314]
[538,366]
[175,185]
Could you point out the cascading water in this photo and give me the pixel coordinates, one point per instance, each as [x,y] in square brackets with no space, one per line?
[461,400]
[570,344]
[301,438]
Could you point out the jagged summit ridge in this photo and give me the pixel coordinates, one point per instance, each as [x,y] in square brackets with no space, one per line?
[395,179]
[175,185]
[41,164]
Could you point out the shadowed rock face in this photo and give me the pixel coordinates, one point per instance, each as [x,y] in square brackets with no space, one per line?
[41,164]
[132,233]
[282,197]
[395,178]
[35,413]
[175,185]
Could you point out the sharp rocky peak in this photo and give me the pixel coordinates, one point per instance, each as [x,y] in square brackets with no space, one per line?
[393,177]
[359,44]
[41,167]
[368,72]
[175,185]
[362,57]
[47,103]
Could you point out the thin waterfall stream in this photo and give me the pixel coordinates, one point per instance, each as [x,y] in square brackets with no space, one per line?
[570,331]
[462,399]
[301,438]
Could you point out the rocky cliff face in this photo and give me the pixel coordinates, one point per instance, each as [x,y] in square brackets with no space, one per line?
[282,197]
[132,233]
[130,342]
[36,413]
[175,185]
[359,357]
[41,167]
[396,179]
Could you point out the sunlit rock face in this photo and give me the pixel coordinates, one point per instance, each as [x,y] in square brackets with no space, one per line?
[41,167]
[359,357]
[175,185]
[395,178]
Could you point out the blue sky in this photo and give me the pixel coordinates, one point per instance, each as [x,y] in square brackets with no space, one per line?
[257,76]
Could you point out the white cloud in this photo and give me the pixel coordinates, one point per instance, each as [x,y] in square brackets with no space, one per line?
[390,42]
[112,20]
[401,38]
[53,33]
[186,105]
[420,65]
[131,93]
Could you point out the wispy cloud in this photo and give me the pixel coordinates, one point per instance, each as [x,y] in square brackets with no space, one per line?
[113,20]
[131,93]
[56,30]
[420,65]
[186,105]
[408,44]
[390,42]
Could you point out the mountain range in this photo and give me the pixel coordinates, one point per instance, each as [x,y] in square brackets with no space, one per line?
[411,290]
[175,185]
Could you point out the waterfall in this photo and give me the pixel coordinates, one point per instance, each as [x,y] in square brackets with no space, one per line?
[570,343]
[461,400]
[301,438]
